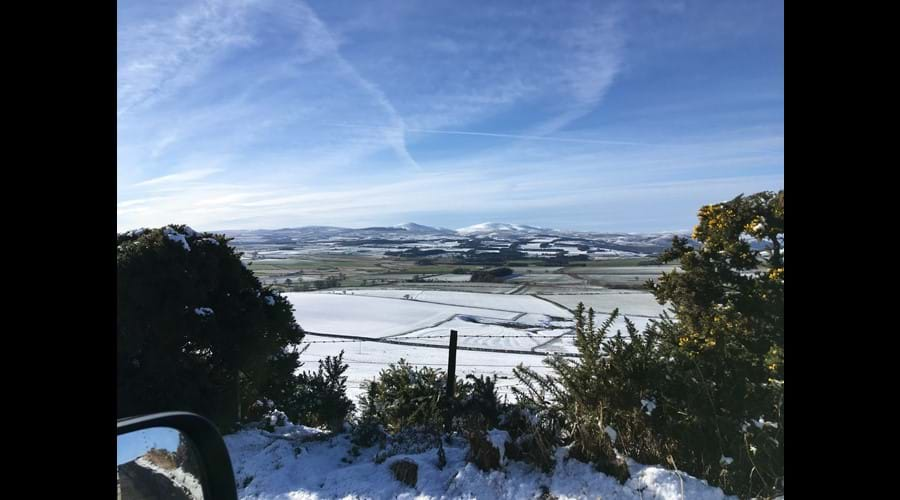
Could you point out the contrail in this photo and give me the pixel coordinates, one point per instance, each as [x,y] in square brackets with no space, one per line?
[506,136]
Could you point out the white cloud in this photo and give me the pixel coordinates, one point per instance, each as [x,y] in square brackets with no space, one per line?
[188,175]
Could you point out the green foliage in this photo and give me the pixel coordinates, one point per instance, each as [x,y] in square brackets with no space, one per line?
[491,276]
[404,396]
[702,392]
[405,403]
[193,325]
[727,347]
[582,395]
[321,396]
[479,406]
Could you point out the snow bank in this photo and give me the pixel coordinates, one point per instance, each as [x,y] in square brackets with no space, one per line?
[178,476]
[286,464]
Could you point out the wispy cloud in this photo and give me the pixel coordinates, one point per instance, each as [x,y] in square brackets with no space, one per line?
[280,113]
[189,175]
[157,57]
[500,135]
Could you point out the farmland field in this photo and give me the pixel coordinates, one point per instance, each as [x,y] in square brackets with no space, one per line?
[415,323]
[377,295]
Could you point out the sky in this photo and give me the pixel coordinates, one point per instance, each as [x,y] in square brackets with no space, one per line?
[134,444]
[587,115]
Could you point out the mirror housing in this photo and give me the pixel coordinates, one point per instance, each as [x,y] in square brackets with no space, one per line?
[207,456]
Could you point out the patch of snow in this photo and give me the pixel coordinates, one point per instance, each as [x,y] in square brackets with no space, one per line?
[269,300]
[177,237]
[611,433]
[498,439]
[648,405]
[725,461]
[764,423]
[184,480]
[203,311]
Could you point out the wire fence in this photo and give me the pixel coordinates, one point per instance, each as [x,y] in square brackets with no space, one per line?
[442,365]
[412,342]
[399,340]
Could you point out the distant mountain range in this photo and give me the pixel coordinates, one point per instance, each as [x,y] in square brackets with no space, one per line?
[487,236]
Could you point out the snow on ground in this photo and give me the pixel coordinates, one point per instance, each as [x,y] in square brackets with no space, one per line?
[183,480]
[629,302]
[554,278]
[378,313]
[518,303]
[453,278]
[280,466]
[370,316]
[537,320]
[475,334]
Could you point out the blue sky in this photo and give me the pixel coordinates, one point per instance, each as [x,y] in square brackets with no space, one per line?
[134,444]
[607,116]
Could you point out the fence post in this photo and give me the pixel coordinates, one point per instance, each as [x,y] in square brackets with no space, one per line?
[451,382]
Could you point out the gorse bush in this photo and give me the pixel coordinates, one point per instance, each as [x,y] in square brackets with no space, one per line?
[727,346]
[405,396]
[702,392]
[479,407]
[321,396]
[195,330]
[583,396]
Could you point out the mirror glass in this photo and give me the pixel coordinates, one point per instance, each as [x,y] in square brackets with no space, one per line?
[158,462]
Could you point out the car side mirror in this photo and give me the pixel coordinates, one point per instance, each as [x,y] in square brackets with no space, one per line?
[173,455]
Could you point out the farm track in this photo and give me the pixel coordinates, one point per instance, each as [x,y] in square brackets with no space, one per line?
[554,303]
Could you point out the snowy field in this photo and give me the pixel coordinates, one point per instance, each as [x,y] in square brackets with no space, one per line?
[630,303]
[451,278]
[287,464]
[516,303]
[554,279]
[517,328]
[373,316]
